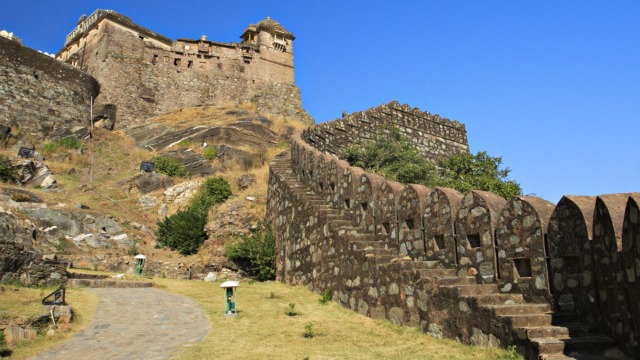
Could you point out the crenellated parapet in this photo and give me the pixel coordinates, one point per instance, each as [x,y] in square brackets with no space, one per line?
[472,266]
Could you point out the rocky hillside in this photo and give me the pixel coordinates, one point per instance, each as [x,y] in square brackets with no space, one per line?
[93,205]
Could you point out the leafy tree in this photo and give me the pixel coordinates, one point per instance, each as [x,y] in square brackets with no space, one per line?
[170,167]
[184,230]
[394,157]
[7,170]
[466,172]
[255,252]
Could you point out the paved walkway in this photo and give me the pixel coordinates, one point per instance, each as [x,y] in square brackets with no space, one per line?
[136,324]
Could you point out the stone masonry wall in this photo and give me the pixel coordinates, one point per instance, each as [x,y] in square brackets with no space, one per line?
[469,267]
[40,96]
[432,135]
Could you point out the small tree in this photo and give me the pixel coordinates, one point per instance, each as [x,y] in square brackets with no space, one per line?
[7,170]
[184,230]
[256,253]
[466,172]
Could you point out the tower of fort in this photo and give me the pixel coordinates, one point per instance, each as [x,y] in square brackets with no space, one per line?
[144,73]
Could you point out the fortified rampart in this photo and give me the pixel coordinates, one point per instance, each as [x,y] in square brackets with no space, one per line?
[146,74]
[40,96]
[432,135]
[476,267]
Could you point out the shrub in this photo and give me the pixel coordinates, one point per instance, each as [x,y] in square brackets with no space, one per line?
[291,310]
[308,331]
[170,167]
[210,153]
[7,170]
[327,296]
[69,142]
[255,253]
[184,230]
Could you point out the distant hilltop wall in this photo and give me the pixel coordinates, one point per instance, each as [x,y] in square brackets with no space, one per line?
[146,74]
[432,135]
[41,96]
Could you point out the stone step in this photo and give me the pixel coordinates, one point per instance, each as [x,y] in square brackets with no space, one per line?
[458,280]
[519,309]
[432,273]
[498,299]
[474,289]
[590,344]
[529,320]
[531,332]
[100,283]
[380,251]
[362,245]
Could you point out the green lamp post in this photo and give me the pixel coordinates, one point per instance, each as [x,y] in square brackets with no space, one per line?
[230,297]
[139,263]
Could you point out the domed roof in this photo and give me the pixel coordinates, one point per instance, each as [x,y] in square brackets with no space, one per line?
[271,25]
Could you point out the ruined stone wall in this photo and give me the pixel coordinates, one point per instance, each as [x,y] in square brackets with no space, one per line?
[144,78]
[432,135]
[458,266]
[41,97]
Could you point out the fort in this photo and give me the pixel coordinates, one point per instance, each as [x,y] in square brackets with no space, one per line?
[550,279]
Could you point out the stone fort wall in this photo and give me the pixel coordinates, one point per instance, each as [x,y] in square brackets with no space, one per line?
[473,266]
[145,74]
[40,96]
[432,135]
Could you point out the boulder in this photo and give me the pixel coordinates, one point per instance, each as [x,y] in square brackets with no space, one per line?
[245,181]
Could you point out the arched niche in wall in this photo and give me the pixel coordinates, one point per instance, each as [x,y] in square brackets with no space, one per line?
[334,173]
[411,204]
[386,212]
[440,215]
[521,235]
[631,258]
[475,229]
[351,182]
[319,179]
[569,239]
[613,294]
[364,197]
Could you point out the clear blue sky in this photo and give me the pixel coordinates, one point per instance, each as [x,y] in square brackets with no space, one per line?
[551,86]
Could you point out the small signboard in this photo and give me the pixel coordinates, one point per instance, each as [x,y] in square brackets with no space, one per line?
[55,298]
[26,152]
[148,166]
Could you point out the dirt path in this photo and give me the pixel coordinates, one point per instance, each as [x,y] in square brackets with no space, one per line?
[136,324]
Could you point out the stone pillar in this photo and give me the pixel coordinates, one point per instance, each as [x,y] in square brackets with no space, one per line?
[569,239]
[475,230]
[521,236]
[411,204]
[440,214]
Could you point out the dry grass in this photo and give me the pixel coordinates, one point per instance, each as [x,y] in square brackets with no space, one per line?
[24,303]
[263,330]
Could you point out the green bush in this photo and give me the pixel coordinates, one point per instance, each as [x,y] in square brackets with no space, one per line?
[210,153]
[327,296]
[308,331]
[7,170]
[394,157]
[170,167]
[255,253]
[184,230]
[69,142]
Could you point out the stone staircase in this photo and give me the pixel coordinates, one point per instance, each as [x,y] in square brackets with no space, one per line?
[103,281]
[543,334]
